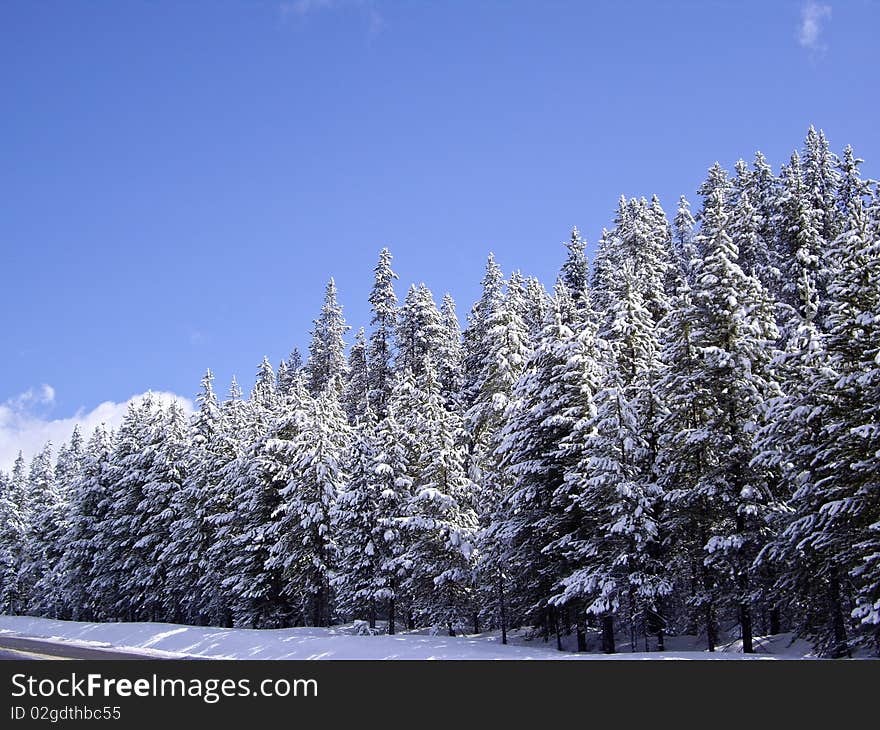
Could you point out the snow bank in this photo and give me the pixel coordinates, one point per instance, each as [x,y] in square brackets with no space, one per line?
[172,640]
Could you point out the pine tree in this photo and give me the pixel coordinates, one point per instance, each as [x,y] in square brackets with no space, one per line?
[826,540]
[255,588]
[548,400]
[88,511]
[396,447]
[224,464]
[264,394]
[190,533]
[718,180]
[578,377]
[289,372]
[537,305]
[643,238]
[303,548]
[800,248]
[356,396]
[851,189]
[821,180]
[47,512]
[683,247]
[450,356]
[763,191]
[493,366]
[854,342]
[497,346]
[732,334]
[9,529]
[162,471]
[575,271]
[357,582]
[326,365]
[744,230]
[476,337]
[15,524]
[49,590]
[381,352]
[605,266]
[420,333]
[116,531]
[440,519]
[618,566]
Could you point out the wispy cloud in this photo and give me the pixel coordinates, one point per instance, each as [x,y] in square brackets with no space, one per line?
[31,398]
[299,9]
[197,337]
[375,21]
[813,18]
[304,7]
[26,425]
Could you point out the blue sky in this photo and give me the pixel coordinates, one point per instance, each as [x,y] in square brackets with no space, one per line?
[179,179]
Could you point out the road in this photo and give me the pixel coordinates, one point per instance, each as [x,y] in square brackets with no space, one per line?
[19,647]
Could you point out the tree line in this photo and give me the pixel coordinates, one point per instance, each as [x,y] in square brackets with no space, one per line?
[682,437]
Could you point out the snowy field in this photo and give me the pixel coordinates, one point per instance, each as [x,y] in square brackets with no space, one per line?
[340,642]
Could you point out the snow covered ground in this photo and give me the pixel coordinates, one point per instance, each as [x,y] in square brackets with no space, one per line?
[340,642]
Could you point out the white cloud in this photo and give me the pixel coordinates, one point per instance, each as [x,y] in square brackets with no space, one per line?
[47,393]
[25,427]
[813,17]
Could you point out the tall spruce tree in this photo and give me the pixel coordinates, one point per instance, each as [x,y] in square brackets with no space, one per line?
[420,332]
[87,513]
[326,365]
[440,519]
[15,524]
[190,533]
[303,548]
[731,332]
[358,582]
[356,395]
[450,356]
[381,351]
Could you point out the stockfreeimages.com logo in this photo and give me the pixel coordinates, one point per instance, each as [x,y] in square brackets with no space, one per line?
[208,690]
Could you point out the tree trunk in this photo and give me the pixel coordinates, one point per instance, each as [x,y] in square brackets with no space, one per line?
[503,608]
[391,616]
[774,621]
[608,633]
[581,632]
[316,609]
[838,626]
[655,625]
[554,614]
[711,639]
[631,600]
[745,607]
[709,611]
[372,614]
[745,622]
[476,622]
